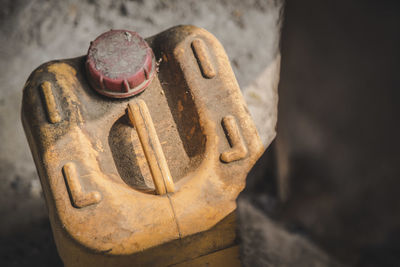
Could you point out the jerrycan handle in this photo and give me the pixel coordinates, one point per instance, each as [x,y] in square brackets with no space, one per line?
[140,118]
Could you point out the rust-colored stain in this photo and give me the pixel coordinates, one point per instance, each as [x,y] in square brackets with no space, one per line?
[150,180]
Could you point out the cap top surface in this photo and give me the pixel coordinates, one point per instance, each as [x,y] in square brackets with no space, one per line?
[119,63]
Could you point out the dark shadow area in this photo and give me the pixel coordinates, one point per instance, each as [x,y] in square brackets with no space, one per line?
[261,184]
[34,246]
[338,122]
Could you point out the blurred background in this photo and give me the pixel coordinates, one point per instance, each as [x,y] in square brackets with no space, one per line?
[325,193]
[336,157]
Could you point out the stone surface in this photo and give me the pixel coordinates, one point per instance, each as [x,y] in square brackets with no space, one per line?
[266,243]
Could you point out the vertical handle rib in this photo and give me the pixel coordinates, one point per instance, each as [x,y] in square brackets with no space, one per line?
[140,118]
[238,148]
[53,113]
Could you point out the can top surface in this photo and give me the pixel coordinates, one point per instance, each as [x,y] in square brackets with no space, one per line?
[119,63]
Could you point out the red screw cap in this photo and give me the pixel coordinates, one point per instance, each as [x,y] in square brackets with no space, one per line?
[120,64]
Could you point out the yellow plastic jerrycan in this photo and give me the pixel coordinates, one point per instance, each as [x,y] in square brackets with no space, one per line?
[142,147]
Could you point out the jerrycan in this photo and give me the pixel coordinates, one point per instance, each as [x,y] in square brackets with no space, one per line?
[142,147]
